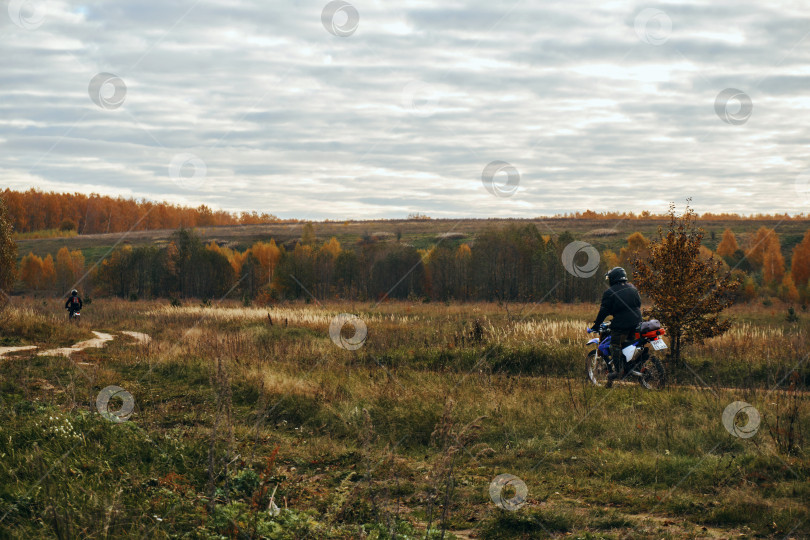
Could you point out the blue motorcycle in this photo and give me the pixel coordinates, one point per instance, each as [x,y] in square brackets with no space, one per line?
[640,361]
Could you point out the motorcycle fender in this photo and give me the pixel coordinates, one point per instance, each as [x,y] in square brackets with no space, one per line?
[594,340]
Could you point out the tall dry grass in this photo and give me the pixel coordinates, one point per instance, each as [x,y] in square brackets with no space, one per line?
[231,409]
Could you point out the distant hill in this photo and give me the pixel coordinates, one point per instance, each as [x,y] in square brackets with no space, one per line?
[421,233]
[47,221]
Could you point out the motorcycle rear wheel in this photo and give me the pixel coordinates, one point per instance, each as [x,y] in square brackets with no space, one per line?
[653,375]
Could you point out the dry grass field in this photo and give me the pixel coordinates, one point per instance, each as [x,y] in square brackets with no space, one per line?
[251,422]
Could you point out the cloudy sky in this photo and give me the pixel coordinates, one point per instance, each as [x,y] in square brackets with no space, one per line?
[449,108]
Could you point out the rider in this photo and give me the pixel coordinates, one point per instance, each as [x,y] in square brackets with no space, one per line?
[623,302]
[74,302]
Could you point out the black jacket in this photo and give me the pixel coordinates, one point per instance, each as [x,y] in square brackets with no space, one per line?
[71,306]
[623,302]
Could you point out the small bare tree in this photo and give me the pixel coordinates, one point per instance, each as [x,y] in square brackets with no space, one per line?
[451,441]
[688,292]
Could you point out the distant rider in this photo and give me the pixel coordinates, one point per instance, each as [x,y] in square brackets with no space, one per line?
[623,302]
[74,303]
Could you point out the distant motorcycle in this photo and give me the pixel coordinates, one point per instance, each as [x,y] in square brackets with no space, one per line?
[74,316]
[641,363]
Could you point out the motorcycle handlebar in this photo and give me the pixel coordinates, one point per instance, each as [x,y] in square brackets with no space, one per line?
[603,327]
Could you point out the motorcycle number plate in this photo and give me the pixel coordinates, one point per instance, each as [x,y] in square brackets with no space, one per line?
[659,344]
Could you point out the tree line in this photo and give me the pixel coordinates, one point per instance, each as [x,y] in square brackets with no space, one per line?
[34,210]
[706,216]
[37,211]
[511,263]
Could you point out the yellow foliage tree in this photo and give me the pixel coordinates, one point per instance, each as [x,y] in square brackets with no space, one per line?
[332,247]
[65,277]
[464,252]
[773,263]
[31,271]
[237,259]
[426,254]
[637,248]
[728,245]
[48,273]
[268,255]
[610,258]
[759,244]
[213,246]
[800,263]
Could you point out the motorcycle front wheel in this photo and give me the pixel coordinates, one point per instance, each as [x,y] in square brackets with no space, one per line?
[653,375]
[597,369]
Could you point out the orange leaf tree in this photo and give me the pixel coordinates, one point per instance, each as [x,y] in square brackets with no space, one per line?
[773,264]
[800,263]
[688,291]
[637,248]
[47,278]
[31,271]
[728,245]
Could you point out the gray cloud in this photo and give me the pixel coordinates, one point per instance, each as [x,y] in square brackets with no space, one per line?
[403,115]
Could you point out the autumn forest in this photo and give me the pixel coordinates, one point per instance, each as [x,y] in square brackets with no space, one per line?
[514,262]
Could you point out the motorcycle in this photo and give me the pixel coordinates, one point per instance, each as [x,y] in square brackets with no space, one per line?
[640,362]
[74,316]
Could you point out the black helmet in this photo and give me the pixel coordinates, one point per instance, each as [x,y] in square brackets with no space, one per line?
[616,275]
[74,292]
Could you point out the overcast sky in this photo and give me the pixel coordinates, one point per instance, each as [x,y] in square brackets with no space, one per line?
[318,110]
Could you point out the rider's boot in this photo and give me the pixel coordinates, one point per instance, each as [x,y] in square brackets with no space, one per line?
[618,365]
